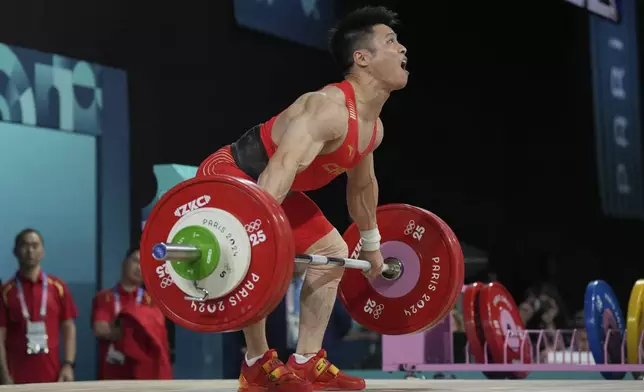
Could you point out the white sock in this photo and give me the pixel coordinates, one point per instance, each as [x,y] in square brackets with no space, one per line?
[302,359]
[252,361]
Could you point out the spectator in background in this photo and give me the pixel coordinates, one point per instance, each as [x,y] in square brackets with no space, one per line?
[35,309]
[458,324]
[127,296]
[543,306]
[581,335]
[544,309]
[539,309]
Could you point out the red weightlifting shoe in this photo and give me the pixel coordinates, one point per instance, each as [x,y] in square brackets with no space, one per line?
[269,374]
[324,375]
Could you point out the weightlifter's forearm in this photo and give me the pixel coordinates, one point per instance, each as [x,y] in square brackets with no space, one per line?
[278,178]
[362,201]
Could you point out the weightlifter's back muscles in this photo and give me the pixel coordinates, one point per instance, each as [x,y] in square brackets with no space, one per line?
[314,124]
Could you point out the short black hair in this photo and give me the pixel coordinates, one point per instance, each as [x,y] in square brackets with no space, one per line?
[354,31]
[130,252]
[23,233]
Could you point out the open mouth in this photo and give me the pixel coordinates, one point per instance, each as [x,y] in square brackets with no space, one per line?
[403,65]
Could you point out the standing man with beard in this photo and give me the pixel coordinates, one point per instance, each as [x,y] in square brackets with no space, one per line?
[35,309]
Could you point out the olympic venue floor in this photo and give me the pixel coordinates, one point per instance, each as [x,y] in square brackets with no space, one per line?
[372,386]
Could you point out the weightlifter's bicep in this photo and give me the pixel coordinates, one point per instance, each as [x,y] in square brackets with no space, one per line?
[300,144]
[304,138]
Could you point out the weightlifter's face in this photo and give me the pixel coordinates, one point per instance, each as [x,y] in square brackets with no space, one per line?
[386,59]
[30,250]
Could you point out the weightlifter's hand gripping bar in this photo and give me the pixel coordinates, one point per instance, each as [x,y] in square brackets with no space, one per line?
[392,269]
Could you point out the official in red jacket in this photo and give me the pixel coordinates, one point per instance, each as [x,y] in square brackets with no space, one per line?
[35,309]
[144,342]
[128,294]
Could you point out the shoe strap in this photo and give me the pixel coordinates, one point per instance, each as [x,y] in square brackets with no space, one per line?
[324,366]
[275,369]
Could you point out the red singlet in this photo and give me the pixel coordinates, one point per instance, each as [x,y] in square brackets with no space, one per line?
[325,168]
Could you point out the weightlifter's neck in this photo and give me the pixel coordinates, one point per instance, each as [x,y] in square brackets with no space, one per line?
[370,95]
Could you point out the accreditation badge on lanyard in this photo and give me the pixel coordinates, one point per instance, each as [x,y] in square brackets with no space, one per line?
[117,299]
[37,340]
[115,357]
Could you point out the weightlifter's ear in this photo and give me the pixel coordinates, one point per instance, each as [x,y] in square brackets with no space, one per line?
[362,57]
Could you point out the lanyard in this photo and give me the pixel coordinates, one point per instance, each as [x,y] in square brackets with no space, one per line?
[23,303]
[117,299]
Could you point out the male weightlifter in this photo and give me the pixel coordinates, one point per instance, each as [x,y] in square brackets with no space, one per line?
[320,136]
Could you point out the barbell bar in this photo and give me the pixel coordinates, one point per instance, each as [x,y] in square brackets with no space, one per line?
[392,269]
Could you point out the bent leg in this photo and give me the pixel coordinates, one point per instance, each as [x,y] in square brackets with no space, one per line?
[312,232]
[319,291]
[315,235]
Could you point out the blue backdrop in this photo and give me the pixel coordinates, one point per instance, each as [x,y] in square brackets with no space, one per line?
[64,170]
[306,22]
[616,88]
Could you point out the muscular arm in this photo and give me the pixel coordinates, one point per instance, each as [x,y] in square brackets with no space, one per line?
[362,191]
[362,194]
[302,141]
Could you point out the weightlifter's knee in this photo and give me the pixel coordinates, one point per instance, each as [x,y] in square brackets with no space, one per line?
[331,245]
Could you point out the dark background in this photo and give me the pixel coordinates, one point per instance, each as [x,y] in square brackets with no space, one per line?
[494,132]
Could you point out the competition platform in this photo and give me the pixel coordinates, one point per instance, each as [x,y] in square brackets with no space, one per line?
[372,385]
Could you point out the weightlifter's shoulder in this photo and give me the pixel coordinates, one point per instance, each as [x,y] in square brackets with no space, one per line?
[326,107]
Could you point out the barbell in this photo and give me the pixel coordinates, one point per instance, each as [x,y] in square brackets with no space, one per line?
[217,255]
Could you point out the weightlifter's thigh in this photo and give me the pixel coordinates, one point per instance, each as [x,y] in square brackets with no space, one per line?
[312,232]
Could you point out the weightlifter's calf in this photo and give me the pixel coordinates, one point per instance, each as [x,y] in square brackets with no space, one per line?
[318,295]
[317,298]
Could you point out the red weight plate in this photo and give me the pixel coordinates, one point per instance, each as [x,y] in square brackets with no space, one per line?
[459,271]
[280,293]
[281,282]
[500,315]
[474,329]
[430,284]
[471,321]
[453,296]
[271,253]
[459,268]
[284,277]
